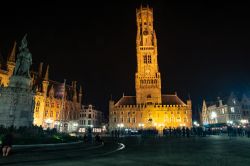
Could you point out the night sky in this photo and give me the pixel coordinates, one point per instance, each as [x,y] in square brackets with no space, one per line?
[203,48]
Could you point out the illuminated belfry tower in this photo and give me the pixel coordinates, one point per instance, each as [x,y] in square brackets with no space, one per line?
[147,77]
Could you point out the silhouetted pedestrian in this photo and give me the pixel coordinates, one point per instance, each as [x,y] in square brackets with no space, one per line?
[7,143]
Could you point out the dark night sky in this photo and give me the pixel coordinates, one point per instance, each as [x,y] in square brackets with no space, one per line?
[203,48]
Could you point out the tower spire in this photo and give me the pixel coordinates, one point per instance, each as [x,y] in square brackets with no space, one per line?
[80,95]
[46,77]
[75,93]
[12,56]
[40,70]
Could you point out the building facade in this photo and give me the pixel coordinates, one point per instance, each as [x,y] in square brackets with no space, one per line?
[245,109]
[56,104]
[90,117]
[149,108]
[225,112]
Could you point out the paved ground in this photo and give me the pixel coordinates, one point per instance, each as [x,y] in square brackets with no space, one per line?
[213,150]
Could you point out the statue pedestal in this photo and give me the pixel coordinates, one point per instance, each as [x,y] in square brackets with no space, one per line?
[20,82]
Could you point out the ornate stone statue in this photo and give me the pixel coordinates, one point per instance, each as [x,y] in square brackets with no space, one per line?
[24,60]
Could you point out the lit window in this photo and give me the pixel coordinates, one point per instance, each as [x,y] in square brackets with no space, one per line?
[222,111]
[213,115]
[46,113]
[232,109]
[234,101]
[149,59]
[145,59]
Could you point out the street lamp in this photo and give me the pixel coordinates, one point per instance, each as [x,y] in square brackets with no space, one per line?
[196,124]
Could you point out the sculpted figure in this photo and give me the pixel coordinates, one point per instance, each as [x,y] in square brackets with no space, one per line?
[24,60]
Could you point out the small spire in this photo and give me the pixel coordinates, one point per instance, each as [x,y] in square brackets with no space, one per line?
[175,93]
[80,91]
[123,94]
[40,70]
[12,57]
[37,88]
[51,91]
[46,77]
[74,87]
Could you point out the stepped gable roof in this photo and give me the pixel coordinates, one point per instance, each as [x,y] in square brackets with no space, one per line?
[166,100]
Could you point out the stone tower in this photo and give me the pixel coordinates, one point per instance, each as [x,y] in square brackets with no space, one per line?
[147,77]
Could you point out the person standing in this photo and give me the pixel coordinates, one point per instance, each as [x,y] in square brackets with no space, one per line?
[7,144]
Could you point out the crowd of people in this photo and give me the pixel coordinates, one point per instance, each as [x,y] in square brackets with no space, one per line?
[199,131]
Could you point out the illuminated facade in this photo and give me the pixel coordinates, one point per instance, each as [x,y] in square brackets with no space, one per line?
[90,117]
[54,103]
[149,108]
[219,112]
[232,110]
[6,71]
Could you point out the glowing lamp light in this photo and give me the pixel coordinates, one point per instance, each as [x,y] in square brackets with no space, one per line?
[213,115]
[120,125]
[75,124]
[243,121]
[48,120]
[141,125]
[196,123]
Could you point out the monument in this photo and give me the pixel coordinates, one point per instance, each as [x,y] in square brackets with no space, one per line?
[17,99]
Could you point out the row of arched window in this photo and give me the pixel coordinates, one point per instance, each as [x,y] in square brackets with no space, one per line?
[148,81]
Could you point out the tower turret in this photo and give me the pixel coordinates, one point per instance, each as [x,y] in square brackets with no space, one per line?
[80,95]
[46,82]
[75,92]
